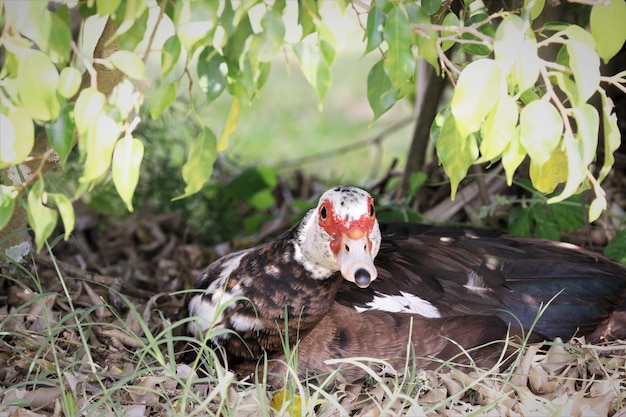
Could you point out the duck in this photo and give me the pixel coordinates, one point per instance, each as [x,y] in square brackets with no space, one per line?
[340,284]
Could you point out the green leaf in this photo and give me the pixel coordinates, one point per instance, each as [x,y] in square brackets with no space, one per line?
[8,194]
[41,218]
[231,125]
[577,171]
[380,94]
[374,29]
[37,81]
[499,128]
[616,248]
[125,168]
[211,77]
[513,156]
[426,40]
[585,65]
[129,63]
[587,130]
[308,16]
[456,153]
[89,104]
[107,7]
[69,82]
[199,166]
[607,27]
[101,139]
[66,211]
[481,48]
[452,20]
[431,6]
[61,132]
[508,39]
[18,137]
[265,45]
[553,172]
[315,68]
[169,55]
[541,127]
[133,31]
[236,43]
[536,7]
[612,135]
[399,60]
[194,21]
[162,98]
[478,89]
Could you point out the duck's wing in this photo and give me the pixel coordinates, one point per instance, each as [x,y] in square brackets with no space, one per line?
[438,272]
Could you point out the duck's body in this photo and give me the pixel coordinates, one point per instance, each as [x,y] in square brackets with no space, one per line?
[434,284]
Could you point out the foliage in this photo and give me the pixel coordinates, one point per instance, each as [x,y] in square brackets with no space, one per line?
[508,101]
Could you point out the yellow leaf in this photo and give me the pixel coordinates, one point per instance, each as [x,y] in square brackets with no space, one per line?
[293,402]
[552,173]
[231,124]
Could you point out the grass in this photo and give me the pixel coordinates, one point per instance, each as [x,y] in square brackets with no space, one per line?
[71,357]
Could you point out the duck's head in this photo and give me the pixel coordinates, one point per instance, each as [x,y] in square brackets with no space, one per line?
[342,234]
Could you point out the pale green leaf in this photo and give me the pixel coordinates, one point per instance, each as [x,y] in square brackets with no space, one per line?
[69,82]
[553,172]
[107,7]
[399,60]
[265,45]
[37,81]
[231,125]
[61,132]
[315,68]
[169,55]
[41,219]
[576,170]
[585,65]
[194,21]
[211,69]
[374,29]
[451,20]
[566,84]
[456,153]
[536,7]
[426,40]
[513,156]
[162,98]
[508,40]
[541,127]
[587,130]
[101,139]
[89,104]
[478,89]
[612,135]
[129,63]
[380,94]
[199,166]
[125,168]
[527,66]
[597,206]
[8,195]
[18,137]
[122,98]
[66,210]
[607,27]
[499,128]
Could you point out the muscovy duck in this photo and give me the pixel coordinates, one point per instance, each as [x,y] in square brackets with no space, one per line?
[340,285]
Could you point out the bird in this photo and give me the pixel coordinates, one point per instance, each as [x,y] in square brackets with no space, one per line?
[340,284]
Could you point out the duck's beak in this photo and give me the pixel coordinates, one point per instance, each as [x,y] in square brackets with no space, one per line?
[355,259]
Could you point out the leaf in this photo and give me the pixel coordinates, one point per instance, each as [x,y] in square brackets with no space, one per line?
[265,45]
[597,206]
[399,61]
[61,132]
[231,125]
[66,210]
[612,135]
[374,28]
[308,15]
[481,48]
[616,248]
[195,21]
[585,65]
[132,31]
[552,173]
[40,218]
[8,194]
[587,130]
[315,68]
[129,63]
[380,94]
[451,19]
[478,89]
[513,156]
[211,77]
[18,137]
[162,98]
[431,6]
[426,40]
[508,39]
[606,23]
[100,143]
[536,7]
[169,55]
[499,128]
[89,104]
[577,171]
[125,168]
[541,127]
[199,166]
[69,82]
[456,153]
[107,7]
[37,81]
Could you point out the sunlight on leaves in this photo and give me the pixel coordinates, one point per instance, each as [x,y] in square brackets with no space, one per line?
[541,127]
[8,195]
[552,173]
[37,81]
[607,27]
[499,128]
[125,168]
[199,166]
[18,137]
[41,218]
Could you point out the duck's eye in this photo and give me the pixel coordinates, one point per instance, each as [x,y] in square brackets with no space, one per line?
[323,213]
[372,211]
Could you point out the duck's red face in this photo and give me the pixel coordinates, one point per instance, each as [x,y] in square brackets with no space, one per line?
[349,218]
